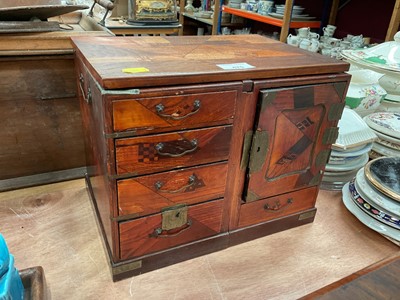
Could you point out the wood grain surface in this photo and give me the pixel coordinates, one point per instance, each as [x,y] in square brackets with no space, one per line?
[53,226]
[193,59]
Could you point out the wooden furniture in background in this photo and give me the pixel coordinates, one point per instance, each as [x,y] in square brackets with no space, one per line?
[200,143]
[42,137]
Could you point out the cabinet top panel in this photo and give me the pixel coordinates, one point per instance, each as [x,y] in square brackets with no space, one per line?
[134,62]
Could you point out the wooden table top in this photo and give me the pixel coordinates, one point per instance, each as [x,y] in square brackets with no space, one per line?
[158,60]
[378,281]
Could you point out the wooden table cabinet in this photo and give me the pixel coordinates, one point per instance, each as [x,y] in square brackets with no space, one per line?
[198,143]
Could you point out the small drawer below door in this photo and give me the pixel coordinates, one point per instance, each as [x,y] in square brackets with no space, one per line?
[157,232]
[274,207]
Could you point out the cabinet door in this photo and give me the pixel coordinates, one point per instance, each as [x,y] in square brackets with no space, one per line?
[293,134]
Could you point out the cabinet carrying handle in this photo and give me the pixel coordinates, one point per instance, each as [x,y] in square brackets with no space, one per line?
[278,206]
[87,98]
[176,116]
[191,181]
[174,146]
[160,233]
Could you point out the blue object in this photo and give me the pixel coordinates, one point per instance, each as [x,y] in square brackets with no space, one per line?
[11,287]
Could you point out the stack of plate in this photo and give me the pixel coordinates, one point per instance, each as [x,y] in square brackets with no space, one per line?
[297,12]
[373,196]
[350,151]
[386,125]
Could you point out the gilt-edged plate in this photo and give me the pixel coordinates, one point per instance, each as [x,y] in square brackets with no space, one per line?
[384,174]
[380,200]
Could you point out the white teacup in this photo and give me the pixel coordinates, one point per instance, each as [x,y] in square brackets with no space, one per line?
[314,46]
[304,32]
[304,44]
[329,30]
[293,40]
[314,35]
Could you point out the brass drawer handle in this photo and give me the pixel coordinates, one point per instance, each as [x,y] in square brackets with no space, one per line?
[174,146]
[160,233]
[192,181]
[278,206]
[87,98]
[175,116]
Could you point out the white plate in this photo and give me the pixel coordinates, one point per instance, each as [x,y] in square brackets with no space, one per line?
[331,174]
[348,153]
[332,186]
[386,137]
[354,165]
[353,131]
[365,219]
[386,151]
[335,160]
[380,200]
[385,122]
[294,18]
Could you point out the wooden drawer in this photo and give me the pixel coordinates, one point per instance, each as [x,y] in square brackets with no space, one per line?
[149,194]
[150,154]
[275,207]
[174,112]
[144,235]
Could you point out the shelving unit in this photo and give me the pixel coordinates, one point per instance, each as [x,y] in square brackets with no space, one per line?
[271,20]
[213,22]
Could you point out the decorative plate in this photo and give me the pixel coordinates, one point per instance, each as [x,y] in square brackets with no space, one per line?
[385,122]
[386,137]
[371,210]
[384,174]
[388,144]
[381,201]
[385,55]
[385,151]
[365,219]
[354,165]
[353,131]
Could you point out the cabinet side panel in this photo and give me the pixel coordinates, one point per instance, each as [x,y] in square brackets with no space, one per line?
[96,151]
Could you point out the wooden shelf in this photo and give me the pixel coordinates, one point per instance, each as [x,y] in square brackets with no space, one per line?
[202,20]
[268,19]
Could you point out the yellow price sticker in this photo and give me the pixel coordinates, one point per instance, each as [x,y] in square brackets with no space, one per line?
[135,70]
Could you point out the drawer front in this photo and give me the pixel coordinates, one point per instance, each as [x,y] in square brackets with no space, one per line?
[150,154]
[275,207]
[149,194]
[175,112]
[144,235]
